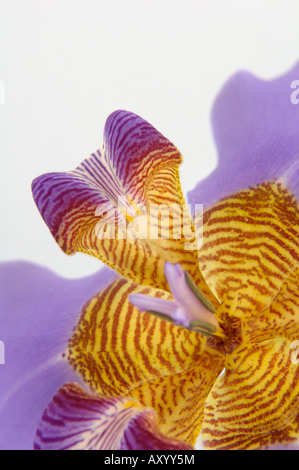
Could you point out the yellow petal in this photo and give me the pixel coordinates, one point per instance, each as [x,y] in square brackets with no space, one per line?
[257,403]
[122,352]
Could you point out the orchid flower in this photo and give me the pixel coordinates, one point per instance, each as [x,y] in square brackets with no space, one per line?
[190,334]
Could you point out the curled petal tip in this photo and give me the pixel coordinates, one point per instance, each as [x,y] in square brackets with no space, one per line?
[76,420]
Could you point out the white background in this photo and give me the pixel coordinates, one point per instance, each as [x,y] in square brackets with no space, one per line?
[66,65]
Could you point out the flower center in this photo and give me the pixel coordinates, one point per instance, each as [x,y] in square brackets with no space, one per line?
[189,309]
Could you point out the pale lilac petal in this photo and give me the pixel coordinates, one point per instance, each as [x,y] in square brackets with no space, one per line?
[255,128]
[38,311]
[77,420]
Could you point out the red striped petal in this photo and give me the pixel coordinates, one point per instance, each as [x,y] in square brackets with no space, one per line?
[255,126]
[76,420]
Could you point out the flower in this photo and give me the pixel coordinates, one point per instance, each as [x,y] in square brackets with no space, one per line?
[215,358]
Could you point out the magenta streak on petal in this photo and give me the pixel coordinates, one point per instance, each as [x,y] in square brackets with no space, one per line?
[76,420]
[181,316]
[143,433]
[290,446]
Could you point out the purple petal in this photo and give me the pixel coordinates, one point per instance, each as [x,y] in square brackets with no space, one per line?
[76,420]
[38,311]
[255,127]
